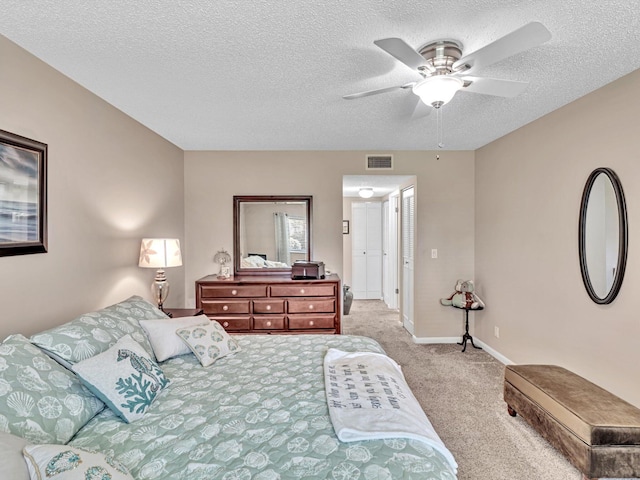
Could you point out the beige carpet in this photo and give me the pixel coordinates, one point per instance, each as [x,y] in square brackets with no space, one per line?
[462,396]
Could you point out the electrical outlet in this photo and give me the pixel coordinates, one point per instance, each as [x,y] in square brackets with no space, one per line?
[434,253]
[496,331]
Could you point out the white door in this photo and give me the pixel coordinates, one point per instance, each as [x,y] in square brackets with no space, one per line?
[408,253]
[366,254]
[359,250]
[374,250]
[393,261]
[386,280]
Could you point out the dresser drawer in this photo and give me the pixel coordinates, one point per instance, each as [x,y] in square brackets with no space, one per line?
[268,322]
[224,306]
[312,305]
[327,290]
[234,324]
[268,306]
[231,291]
[301,322]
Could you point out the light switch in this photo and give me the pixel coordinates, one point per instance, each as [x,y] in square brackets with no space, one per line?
[434,253]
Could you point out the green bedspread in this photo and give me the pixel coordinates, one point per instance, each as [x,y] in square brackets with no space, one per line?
[260,414]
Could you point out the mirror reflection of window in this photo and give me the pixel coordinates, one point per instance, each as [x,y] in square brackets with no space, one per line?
[297,234]
[283,247]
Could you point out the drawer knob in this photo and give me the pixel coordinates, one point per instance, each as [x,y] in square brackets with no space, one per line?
[302,290]
[268,324]
[225,307]
[311,323]
[268,307]
[234,292]
[310,307]
[225,324]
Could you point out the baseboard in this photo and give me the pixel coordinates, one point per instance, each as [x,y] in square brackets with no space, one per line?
[428,340]
[494,353]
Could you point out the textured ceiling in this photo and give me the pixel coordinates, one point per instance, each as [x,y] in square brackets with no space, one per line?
[270,74]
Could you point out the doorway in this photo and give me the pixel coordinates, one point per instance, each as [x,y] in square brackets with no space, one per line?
[388,267]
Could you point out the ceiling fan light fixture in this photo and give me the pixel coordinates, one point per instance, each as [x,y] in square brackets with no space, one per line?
[366,192]
[437,90]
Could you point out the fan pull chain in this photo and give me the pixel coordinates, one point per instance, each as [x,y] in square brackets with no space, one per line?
[439,128]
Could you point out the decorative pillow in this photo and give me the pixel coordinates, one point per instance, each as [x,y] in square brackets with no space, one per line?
[12,463]
[93,333]
[39,399]
[124,377]
[63,462]
[209,342]
[163,338]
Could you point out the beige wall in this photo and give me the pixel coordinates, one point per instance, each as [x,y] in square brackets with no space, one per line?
[444,208]
[528,190]
[111,182]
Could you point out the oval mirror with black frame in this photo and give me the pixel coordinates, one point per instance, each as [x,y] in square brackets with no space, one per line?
[270,232]
[603,235]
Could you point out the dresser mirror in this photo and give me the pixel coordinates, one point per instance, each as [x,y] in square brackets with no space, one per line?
[603,235]
[270,233]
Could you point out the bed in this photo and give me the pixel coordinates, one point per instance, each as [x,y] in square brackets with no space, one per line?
[258,414]
[260,261]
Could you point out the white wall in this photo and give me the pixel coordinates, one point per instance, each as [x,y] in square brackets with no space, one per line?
[111,182]
[444,206]
[528,190]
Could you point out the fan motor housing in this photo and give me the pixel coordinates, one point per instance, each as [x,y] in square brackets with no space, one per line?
[441,55]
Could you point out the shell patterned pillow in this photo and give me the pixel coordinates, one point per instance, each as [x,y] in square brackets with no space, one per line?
[208,342]
[40,400]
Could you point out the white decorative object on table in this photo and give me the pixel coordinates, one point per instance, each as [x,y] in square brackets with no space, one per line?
[223,258]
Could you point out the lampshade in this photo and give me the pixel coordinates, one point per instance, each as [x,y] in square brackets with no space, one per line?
[366,192]
[437,90]
[160,253]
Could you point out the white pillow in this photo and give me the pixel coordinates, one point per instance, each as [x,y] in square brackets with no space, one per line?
[124,377]
[12,464]
[208,342]
[63,462]
[163,338]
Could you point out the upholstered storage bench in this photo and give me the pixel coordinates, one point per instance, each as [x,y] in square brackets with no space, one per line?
[598,432]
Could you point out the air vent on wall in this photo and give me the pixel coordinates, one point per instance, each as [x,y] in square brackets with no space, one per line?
[379,162]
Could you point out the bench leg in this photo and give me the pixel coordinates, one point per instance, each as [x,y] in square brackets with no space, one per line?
[511,411]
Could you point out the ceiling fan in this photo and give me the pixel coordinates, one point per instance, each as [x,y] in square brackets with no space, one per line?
[446,71]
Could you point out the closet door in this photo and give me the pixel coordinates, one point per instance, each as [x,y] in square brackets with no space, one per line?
[408,253]
[359,250]
[366,253]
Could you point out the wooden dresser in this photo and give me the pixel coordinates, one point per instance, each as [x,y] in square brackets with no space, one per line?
[271,304]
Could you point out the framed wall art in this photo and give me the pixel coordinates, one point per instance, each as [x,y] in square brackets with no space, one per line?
[23,195]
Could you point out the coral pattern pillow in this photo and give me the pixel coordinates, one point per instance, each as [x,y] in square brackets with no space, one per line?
[93,333]
[40,400]
[124,377]
[162,335]
[63,462]
[209,342]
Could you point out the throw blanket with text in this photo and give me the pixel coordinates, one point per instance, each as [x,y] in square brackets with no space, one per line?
[368,399]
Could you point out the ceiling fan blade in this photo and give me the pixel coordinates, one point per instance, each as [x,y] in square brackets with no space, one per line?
[377,91]
[526,37]
[400,50]
[421,109]
[494,86]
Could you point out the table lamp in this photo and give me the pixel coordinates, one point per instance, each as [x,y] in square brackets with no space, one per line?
[160,253]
